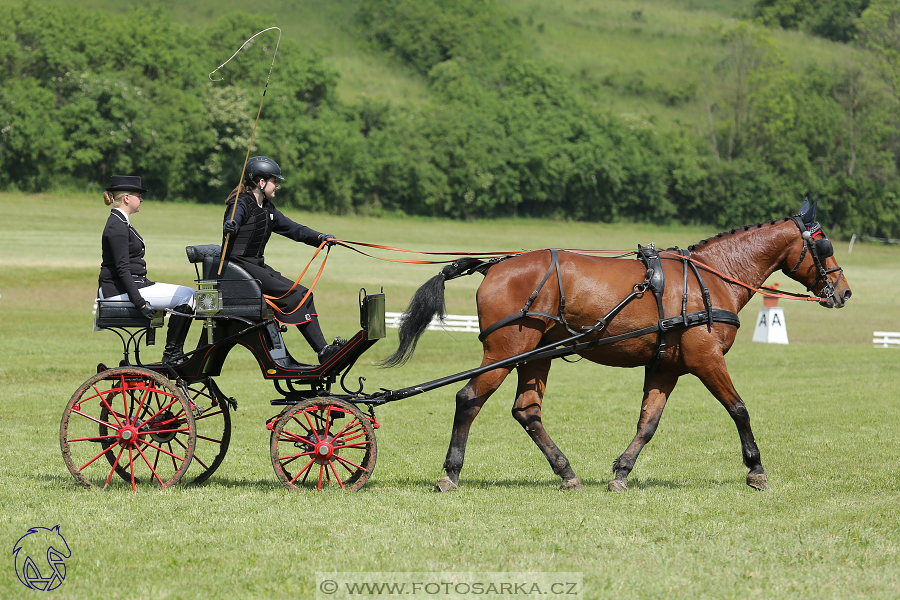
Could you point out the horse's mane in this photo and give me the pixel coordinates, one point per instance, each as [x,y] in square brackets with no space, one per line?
[735,230]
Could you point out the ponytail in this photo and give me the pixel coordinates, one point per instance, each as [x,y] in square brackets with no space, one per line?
[113,199]
[240,189]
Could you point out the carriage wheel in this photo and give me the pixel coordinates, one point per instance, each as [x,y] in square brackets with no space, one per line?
[137,421]
[323,442]
[213,418]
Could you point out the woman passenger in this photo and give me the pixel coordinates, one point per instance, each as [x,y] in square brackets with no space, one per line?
[123,272]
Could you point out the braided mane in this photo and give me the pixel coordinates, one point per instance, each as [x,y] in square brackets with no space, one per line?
[733,231]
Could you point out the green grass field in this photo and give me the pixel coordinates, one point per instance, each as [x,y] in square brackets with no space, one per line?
[823,408]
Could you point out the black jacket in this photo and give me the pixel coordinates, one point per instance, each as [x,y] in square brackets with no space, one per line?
[247,248]
[122,270]
[256,224]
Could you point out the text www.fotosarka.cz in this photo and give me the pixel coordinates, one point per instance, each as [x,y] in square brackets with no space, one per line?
[447,585]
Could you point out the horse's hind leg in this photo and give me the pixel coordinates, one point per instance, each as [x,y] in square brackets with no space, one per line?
[527,411]
[716,379]
[658,389]
[469,401]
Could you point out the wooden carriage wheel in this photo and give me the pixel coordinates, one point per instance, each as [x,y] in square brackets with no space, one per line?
[323,442]
[129,422]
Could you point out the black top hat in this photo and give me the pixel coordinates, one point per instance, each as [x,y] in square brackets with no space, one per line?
[125,183]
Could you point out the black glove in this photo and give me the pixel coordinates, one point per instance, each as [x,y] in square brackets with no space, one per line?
[230,227]
[327,237]
[147,310]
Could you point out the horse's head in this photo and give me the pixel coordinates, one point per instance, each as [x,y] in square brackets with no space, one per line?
[814,265]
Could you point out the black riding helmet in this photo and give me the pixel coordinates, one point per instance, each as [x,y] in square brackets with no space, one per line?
[262,166]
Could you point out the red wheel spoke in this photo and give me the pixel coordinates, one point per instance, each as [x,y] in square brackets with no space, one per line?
[158,431]
[294,457]
[94,419]
[163,409]
[114,465]
[140,407]
[350,439]
[344,462]
[145,442]
[311,427]
[94,439]
[340,483]
[321,472]
[156,459]
[152,470]
[98,456]
[174,465]
[197,458]
[131,468]
[105,403]
[306,470]
[353,421]
[287,436]
[207,415]
[208,439]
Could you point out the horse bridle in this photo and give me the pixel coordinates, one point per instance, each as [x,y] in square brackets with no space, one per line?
[820,250]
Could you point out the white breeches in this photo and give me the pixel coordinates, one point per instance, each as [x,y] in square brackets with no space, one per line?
[161,295]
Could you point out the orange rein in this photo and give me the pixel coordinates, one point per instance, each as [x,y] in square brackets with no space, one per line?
[763,291]
[349,244]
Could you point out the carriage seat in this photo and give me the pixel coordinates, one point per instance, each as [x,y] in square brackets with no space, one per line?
[241,294]
[122,313]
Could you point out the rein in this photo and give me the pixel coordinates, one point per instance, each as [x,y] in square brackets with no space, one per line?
[682,255]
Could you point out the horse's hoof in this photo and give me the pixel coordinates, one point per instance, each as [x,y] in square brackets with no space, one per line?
[571,484]
[617,485]
[758,481]
[445,485]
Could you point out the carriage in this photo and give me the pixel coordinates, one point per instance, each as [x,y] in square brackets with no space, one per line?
[154,423]
[158,424]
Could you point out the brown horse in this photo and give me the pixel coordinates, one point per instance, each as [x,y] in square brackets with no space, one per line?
[585,296]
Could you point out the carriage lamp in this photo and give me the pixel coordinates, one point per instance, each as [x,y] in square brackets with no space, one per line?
[207,302]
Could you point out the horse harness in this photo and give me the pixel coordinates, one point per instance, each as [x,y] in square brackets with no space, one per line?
[654,281]
[820,250]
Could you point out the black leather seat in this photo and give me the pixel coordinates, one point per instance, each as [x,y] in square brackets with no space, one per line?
[241,294]
[119,313]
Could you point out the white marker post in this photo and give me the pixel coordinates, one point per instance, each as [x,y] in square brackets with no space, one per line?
[771,327]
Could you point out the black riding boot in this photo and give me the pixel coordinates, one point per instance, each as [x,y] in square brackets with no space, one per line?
[316,339]
[173,354]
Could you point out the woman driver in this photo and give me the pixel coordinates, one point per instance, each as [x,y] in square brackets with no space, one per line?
[255,219]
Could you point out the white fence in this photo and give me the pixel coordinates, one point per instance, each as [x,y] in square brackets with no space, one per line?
[886,339]
[451,322]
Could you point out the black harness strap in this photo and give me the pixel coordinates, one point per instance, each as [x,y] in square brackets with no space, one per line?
[559,318]
[655,281]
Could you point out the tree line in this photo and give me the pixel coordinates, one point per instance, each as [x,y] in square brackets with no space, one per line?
[84,95]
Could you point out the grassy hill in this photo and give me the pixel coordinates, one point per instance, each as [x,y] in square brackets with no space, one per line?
[649,58]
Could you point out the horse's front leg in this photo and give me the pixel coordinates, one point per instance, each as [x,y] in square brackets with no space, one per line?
[527,411]
[658,389]
[469,401]
[715,377]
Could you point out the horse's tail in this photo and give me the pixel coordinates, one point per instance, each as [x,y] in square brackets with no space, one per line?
[426,303]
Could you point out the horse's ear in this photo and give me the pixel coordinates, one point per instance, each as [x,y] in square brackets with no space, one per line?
[809,213]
